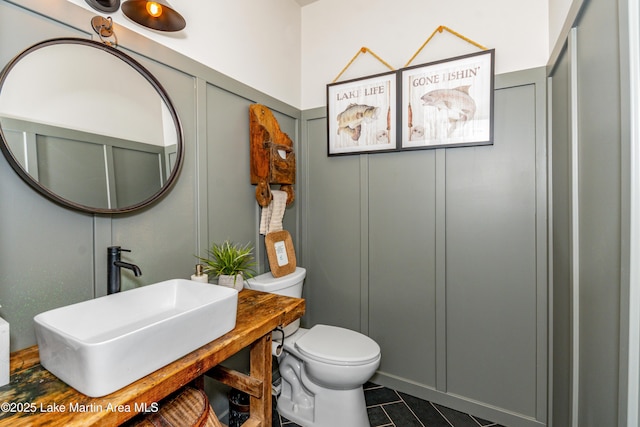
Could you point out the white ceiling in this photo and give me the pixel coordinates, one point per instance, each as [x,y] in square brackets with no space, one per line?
[305,2]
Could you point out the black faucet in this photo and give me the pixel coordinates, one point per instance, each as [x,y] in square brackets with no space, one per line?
[114,264]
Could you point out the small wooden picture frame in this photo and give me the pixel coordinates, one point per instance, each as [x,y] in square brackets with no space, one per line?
[282,256]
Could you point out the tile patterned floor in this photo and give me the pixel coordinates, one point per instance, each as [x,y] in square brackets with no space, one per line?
[390,408]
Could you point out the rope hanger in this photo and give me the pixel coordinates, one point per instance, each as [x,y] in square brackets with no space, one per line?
[440,29]
[362,50]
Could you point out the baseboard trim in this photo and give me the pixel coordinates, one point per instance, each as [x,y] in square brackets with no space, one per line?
[459,403]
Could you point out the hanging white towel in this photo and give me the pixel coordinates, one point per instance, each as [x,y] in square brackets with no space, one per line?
[265,218]
[272,215]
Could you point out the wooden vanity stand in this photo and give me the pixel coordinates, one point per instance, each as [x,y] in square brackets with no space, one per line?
[35,397]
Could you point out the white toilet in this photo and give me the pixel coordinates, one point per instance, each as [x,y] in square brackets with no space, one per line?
[322,368]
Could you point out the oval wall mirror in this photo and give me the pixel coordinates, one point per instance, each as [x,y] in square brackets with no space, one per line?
[88,126]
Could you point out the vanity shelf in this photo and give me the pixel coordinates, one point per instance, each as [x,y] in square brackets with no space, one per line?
[36,397]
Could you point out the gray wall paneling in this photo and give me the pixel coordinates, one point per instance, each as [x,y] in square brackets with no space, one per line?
[332,216]
[402,262]
[228,156]
[561,223]
[599,168]
[629,371]
[590,234]
[441,257]
[491,261]
[228,187]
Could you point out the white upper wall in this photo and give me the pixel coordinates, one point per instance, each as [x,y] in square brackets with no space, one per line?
[558,10]
[256,42]
[292,52]
[334,30]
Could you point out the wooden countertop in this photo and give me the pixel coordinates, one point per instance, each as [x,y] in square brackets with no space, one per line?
[35,397]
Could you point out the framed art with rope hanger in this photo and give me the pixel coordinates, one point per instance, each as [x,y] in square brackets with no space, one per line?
[448,103]
[362,115]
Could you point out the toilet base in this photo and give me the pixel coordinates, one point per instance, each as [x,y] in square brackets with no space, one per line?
[330,408]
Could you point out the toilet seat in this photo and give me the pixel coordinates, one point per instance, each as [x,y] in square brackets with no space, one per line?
[337,346]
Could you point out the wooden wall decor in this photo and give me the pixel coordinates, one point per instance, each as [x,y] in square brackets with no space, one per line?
[273,160]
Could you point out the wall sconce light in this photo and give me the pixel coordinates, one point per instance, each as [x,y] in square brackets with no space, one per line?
[108,6]
[156,14]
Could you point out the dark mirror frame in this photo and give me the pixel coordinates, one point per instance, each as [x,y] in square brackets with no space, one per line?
[4,146]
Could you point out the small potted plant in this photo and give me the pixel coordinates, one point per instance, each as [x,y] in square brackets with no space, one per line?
[232,263]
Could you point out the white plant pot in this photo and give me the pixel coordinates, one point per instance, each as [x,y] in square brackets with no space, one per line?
[236,282]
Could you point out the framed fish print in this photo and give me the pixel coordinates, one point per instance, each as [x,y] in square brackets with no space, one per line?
[362,115]
[448,103]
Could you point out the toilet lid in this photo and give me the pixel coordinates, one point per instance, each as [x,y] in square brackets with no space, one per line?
[338,346]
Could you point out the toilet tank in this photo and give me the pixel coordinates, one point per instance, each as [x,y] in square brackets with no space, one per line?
[289,285]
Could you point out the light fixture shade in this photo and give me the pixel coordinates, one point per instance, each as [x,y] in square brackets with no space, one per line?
[167,20]
[108,6]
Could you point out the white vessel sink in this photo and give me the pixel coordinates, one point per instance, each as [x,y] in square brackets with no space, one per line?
[101,345]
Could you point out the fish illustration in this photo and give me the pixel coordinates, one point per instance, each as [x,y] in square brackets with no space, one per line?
[416,133]
[382,137]
[356,114]
[354,133]
[459,105]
